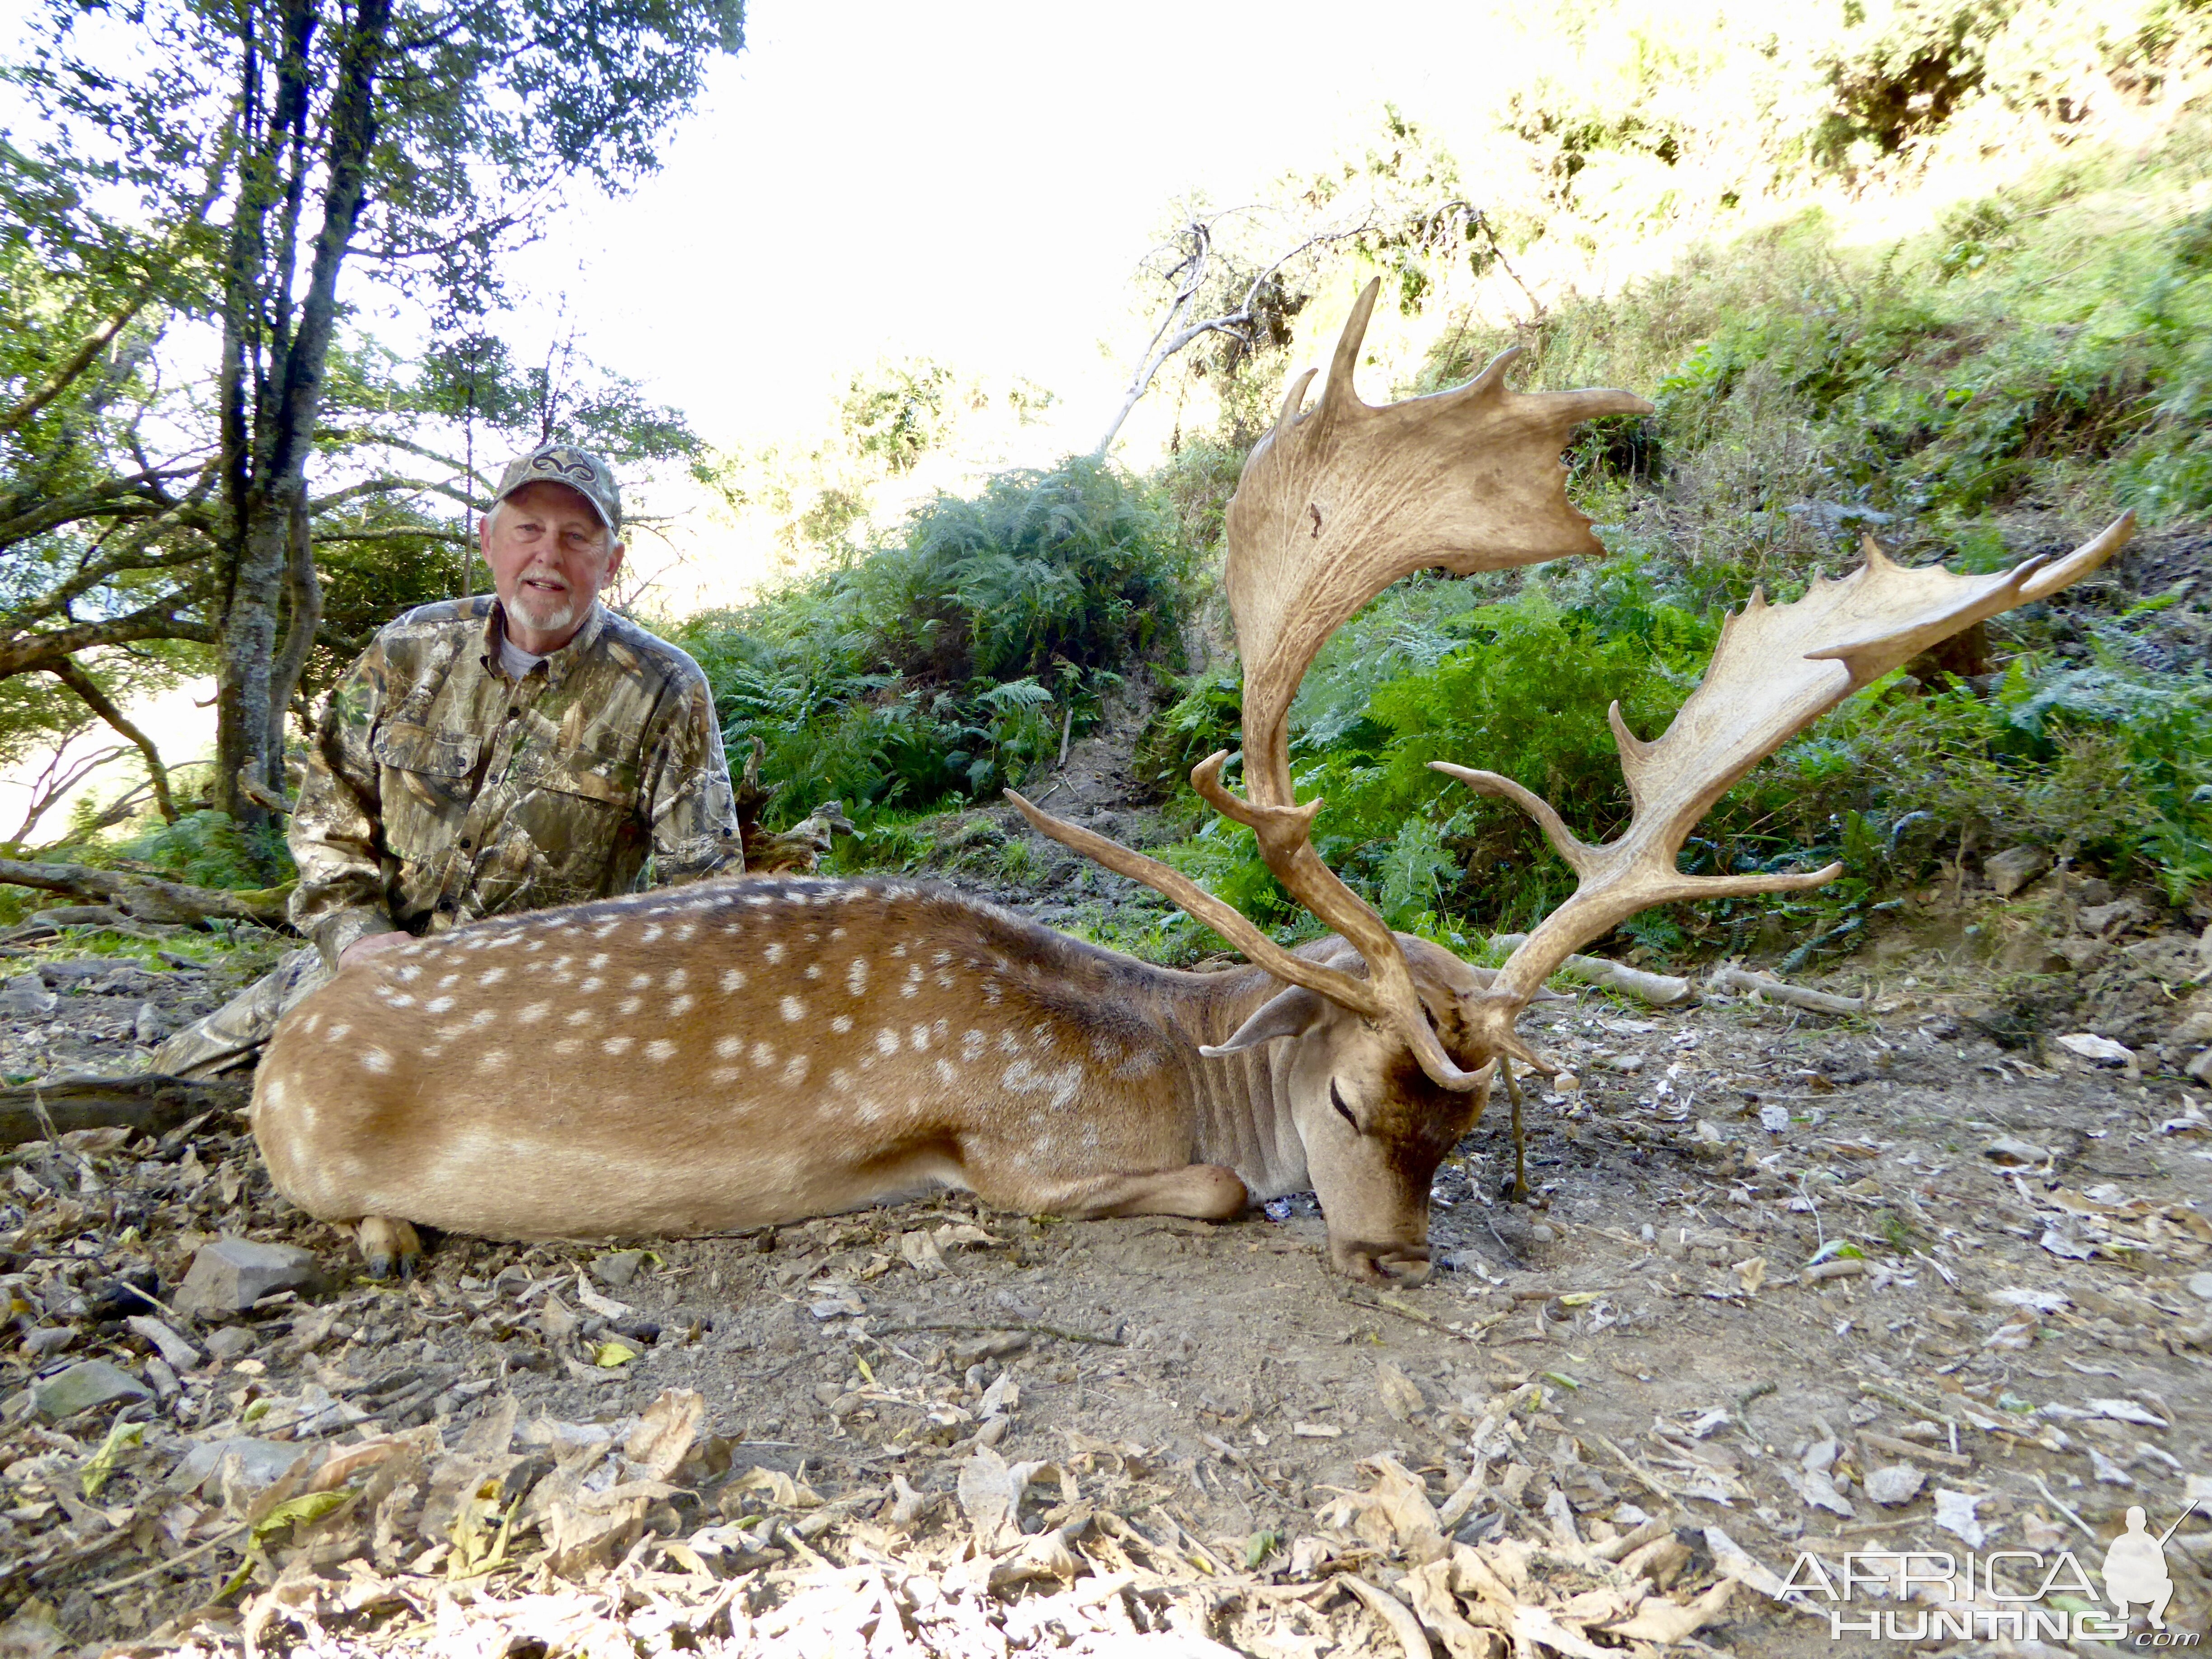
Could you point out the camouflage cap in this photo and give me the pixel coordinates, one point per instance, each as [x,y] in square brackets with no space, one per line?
[564,464]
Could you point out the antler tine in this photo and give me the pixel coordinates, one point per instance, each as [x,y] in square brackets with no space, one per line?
[1776,670]
[1224,919]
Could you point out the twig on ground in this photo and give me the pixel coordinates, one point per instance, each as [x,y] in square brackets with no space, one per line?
[1774,990]
[999,1325]
[166,1562]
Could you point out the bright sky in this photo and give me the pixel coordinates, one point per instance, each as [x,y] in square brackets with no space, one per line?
[974,181]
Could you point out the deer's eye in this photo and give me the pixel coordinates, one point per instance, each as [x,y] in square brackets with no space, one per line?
[1336,1100]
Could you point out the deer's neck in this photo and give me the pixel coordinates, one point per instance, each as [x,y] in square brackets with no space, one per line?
[1240,1112]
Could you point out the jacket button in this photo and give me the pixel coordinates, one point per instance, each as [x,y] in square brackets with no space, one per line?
[447,905]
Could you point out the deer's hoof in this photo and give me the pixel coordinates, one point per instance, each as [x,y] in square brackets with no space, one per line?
[388,1246]
[1384,1264]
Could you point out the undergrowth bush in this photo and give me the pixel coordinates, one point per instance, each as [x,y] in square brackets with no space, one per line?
[950,662]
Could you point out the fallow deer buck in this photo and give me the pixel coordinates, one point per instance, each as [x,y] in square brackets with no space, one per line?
[725,1055]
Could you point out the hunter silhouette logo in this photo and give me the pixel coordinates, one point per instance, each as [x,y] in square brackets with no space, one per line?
[2017,1594]
[2135,1567]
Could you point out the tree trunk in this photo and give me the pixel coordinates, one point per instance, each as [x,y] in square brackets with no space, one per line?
[270,491]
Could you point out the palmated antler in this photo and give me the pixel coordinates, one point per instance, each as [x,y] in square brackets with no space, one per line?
[1778,668]
[1336,503]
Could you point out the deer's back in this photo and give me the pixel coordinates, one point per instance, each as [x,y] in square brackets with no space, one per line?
[710,1057]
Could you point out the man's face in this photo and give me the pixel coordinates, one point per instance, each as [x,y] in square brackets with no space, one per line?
[549,556]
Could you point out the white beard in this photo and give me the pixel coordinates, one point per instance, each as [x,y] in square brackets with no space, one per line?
[542,613]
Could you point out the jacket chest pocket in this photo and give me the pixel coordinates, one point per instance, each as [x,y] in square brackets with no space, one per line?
[578,813]
[426,784]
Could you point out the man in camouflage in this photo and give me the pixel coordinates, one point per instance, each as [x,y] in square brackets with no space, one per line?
[495,754]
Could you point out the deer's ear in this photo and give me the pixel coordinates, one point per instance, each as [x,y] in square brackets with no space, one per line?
[1292,1013]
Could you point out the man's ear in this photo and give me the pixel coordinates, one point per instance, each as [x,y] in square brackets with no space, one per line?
[483,536]
[614,563]
[1292,1013]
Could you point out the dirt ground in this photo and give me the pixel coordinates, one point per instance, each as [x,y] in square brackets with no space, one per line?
[1774,1255]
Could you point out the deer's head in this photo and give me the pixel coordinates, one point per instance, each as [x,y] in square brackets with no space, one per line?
[1395,1042]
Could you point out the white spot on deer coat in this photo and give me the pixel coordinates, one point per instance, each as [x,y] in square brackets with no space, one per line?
[591,984]
[492,977]
[629,1005]
[639,981]
[734,979]
[728,1046]
[577,1017]
[679,1007]
[449,981]
[856,975]
[724,1074]
[533,1014]
[775,951]
[599,959]
[946,1074]
[653,932]
[794,1070]
[336,1032]
[920,1037]
[793,1009]
[660,1049]
[491,1060]
[842,1025]
[375,1059]
[887,1040]
[437,1005]
[677,981]
[616,1045]
[763,1055]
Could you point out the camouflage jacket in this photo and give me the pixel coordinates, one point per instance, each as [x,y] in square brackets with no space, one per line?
[438,790]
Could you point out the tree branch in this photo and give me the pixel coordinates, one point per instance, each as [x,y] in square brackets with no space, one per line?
[148,898]
[89,694]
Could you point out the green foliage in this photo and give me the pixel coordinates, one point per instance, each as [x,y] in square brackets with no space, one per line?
[948,664]
[206,850]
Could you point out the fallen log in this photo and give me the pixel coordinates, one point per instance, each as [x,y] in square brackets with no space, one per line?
[151,898]
[1774,990]
[149,1104]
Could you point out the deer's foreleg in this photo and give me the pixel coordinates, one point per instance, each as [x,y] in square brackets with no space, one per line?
[1207,1191]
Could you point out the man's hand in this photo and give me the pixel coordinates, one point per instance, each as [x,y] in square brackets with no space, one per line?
[369,944]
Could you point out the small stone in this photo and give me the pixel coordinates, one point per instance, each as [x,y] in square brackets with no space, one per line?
[232,1274]
[618,1268]
[148,1027]
[2100,920]
[228,1343]
[1628,1063]
[1774,1119]
[1894,1484]
[2108,1471]
[260,1462]
[83,1387]
[2101,1049]
[2015,1153]
[2200,1286]
[26,998]
[2013,868]
[2201,1068]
